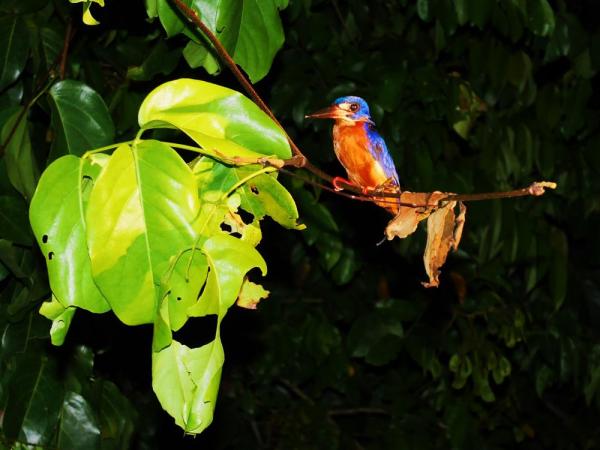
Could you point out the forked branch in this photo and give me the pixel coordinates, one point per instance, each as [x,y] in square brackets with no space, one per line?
[300,161]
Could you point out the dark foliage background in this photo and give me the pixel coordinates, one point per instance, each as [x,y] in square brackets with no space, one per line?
[350,351]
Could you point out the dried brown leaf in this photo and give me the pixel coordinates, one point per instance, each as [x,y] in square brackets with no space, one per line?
[416,206]
[444,230]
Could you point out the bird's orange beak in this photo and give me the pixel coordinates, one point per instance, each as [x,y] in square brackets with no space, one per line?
[331,112]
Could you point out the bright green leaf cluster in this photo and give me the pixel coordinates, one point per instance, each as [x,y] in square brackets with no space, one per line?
[140,232]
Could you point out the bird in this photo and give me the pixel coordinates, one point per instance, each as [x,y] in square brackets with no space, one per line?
[361,150]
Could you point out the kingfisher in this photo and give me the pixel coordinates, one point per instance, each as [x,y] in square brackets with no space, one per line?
[361,150]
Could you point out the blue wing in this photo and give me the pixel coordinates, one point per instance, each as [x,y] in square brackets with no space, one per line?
[380,152]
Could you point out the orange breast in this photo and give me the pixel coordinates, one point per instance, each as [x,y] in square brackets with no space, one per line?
[351,147]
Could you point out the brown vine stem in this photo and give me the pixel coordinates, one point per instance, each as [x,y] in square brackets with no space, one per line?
[65,50]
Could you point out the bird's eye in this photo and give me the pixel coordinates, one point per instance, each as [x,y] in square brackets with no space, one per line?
[353,107]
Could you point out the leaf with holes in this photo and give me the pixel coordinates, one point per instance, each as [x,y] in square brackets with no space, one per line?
[260,193]
[229,260]
[56,215]
[61,318]
[217,118]
[186,382]
[139,224]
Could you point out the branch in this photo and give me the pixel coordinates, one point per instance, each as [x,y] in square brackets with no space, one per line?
[65,50]
[535,189]
[299,160]
[230,63]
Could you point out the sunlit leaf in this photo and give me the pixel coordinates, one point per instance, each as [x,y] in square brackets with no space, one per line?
[251,294]
[57,216]
[87,17]
[217,118]
[140,215]
[186,382]
[261,195]
[229,259]
[61,318]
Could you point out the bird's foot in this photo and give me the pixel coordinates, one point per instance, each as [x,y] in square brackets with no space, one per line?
[336,183]
[389,185]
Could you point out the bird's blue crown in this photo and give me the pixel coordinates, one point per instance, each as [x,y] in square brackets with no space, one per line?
[363,107]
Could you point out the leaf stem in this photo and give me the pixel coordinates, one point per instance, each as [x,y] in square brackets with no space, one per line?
[106,147]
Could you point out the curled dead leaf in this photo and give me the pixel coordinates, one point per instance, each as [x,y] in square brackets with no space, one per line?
[444,228]
[415,207]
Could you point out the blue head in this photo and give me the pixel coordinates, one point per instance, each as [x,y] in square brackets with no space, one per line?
[348,109]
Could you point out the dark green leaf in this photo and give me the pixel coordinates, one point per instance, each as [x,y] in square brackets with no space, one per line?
[21,165]
[78,426]
[80,119]
[14,49]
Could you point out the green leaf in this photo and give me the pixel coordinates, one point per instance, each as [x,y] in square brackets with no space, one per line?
[117,416]
[541,17]
[79,118]
[462,12]
[215,117]
[34,401]
[14,225]
[21,166]
[186,382]
[251,294]
[519,69]
[57,217]
[260,195]
[250,30]
[423,9]
[139,223]
[14,49]
[78,426]
[87,17]
[160,60]
[229,259]
[197,55]
[61,318]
